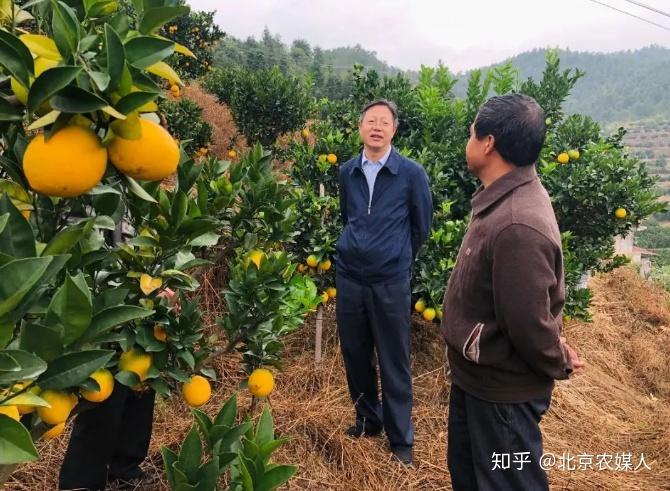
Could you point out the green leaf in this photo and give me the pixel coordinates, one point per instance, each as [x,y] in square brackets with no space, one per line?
[72,99]
[247,482]
[203,422]
[100,79]
[46,342]
[154,18]
[111,297]
[116,56]
[179,208]
[99,8]
[169,458]
[208,239]
[17,278]
[111,317]
[191,453]
[72,369]
[26,398]
[16,445]
[138,190]
[31,367]
[66,239]
[134,100]
[57,263]
[9,112]
[13,58]
[144,51]
[9,364]
[228,412]
[89,43]
[226,459]
[275,477]
[207,476]
[129,379]
[66,29]
[3,221]
[268,448]
[231,437]
[49,82]
[265,429]
[160,387]
[16,239]
[71,306]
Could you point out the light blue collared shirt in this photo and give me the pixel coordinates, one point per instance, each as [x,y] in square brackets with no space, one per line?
[371,169]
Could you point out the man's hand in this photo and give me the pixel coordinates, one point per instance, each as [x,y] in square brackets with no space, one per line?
[573,358]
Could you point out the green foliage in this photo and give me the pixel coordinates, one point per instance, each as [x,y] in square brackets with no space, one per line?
[197,32]
[437,257]
[215,446]
[653,236]
[264,212]
[264,103]
[253,469]
[185,123]
[621,86]
[328,69]
[265,303]
[594,186]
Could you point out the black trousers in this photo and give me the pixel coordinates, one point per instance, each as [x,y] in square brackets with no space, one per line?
[377,318]
[109,441]
[495,446]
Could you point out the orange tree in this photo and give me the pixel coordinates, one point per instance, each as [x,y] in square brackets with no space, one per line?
[315,156]
[184,121]
[265,299]
[75,305]
[264,103]
[197,32]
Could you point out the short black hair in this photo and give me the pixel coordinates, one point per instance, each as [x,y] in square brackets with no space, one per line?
[381,102]
[516,121]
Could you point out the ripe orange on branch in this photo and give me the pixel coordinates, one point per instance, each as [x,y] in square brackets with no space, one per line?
[151,157]
[68,164]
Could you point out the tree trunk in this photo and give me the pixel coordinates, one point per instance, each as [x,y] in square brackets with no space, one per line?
[318,335]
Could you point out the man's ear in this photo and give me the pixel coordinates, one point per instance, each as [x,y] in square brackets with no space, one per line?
[490,145]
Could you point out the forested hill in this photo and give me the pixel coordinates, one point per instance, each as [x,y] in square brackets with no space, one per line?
[618,87]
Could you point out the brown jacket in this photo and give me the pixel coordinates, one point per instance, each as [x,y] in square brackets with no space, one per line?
[502,309]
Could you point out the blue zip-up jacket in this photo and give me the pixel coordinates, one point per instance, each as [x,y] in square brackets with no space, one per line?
[381,237]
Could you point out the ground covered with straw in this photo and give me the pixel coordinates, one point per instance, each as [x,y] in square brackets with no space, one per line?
[620,404]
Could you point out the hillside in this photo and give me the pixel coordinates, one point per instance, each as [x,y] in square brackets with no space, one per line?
[620,404]
[650,141]
[621,86]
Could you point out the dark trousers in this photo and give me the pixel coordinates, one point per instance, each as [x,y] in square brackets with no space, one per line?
[111,437]
[377,318]
[483,435]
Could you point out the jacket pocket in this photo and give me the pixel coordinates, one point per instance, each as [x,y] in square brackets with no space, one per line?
[471,349]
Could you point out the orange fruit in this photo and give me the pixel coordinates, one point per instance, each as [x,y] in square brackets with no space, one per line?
[196,391]
[69,164]
[261,382]
[151,157]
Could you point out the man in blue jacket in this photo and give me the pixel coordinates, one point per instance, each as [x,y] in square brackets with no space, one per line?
[386,208]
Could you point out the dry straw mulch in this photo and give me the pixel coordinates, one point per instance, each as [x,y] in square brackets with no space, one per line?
[621,403]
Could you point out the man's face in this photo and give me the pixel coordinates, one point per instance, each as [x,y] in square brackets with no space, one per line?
[377,128]
[476,151]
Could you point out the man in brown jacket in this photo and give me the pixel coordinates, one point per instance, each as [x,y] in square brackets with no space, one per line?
[502,310]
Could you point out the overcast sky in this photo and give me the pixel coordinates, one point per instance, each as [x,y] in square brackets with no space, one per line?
[463,34]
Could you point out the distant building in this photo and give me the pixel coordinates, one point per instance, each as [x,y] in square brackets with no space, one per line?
[638,255]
